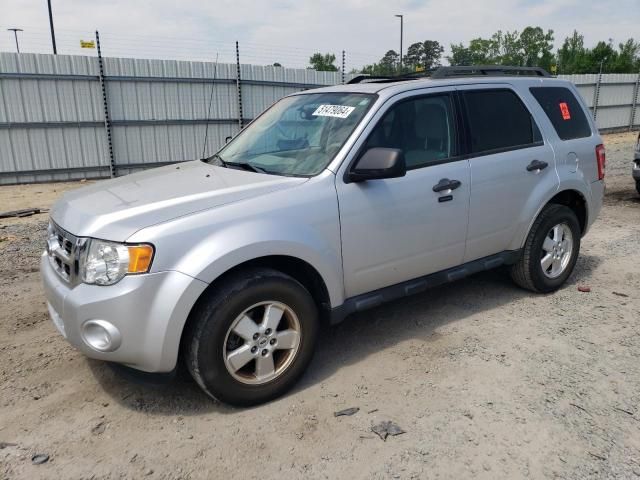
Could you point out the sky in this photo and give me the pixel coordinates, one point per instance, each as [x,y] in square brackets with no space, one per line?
[289,31]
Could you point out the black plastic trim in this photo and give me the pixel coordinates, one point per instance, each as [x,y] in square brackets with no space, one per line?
[420,284]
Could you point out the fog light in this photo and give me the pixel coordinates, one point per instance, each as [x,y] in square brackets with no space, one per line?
[101,335]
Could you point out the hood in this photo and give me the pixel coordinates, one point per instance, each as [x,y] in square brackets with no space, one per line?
[115,209]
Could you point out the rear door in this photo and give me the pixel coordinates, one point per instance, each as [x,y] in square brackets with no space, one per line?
[511,165]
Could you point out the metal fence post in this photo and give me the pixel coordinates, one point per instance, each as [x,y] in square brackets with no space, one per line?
[634,102]
[343,62]
[596,95]
[239,87]
[107,118]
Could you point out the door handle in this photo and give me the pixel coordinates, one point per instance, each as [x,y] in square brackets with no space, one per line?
[446,184]
[536,165]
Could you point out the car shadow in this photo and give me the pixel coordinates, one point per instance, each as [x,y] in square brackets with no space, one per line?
[416,317]
[621,194]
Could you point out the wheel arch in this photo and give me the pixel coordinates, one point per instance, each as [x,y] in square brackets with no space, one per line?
[295,267]
[572,198]
[576,202]
[300,270]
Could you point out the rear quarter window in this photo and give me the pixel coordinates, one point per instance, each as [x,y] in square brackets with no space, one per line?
[564,111]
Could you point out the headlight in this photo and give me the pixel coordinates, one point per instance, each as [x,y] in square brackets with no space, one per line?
[105,263]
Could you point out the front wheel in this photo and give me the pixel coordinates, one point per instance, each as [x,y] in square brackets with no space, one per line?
[253,338]
[550,251]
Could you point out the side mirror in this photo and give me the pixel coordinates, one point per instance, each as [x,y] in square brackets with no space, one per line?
[377,163]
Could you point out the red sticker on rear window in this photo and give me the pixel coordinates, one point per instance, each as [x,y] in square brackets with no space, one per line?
[564,109]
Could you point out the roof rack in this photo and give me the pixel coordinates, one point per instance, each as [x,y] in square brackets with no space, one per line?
[489,70]
[459,71]
[364,78]
[385,79]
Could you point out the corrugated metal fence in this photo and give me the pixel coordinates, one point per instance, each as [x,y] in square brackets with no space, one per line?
[613,98]
[52,110]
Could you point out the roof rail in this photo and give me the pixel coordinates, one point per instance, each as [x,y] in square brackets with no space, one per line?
[489,70]
[364,78]
[458,71]
[386,79]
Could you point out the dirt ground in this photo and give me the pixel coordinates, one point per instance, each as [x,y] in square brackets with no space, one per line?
[488,381]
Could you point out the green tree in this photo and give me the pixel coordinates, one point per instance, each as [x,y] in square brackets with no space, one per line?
[388,64]
[628,58]
[323,63]
[423,55]
[373,69]
[537,47]
[572,56]
[413,58]
[509,48]
[432,53]
[460,55]
[532,47]
[603,57]
[480,51]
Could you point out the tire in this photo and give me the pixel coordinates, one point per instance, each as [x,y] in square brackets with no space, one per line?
[210,339]
[529,272]
[638,186]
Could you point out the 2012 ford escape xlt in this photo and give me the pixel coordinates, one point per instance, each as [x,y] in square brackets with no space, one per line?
[332,201]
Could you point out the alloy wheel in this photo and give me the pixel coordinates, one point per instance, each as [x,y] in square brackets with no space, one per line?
[262,342]
[556,250]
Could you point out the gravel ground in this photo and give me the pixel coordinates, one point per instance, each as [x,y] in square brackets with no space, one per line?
[487,380]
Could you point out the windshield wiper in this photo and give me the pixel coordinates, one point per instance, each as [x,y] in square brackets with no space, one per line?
[246,166]
[215,157]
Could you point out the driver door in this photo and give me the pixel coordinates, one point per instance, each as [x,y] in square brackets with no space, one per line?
[397,229]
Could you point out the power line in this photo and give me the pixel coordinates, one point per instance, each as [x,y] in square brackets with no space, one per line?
[177,48]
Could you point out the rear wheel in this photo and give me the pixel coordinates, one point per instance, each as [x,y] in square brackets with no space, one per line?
[253,338]
[638,186]
[550,252]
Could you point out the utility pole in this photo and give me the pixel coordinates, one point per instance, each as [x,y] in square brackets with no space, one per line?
[401,17]
[53,34]
[15,34]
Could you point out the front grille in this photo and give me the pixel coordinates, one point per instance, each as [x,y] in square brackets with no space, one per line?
[64,251]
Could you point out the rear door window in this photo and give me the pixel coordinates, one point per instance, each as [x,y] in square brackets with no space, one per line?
[498,121]
[564,111]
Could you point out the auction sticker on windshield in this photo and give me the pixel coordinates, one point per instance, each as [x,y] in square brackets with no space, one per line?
[338,111]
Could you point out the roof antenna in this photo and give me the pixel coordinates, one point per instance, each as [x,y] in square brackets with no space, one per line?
[206,129]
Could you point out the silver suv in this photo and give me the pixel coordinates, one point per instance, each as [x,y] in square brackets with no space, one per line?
[332,201]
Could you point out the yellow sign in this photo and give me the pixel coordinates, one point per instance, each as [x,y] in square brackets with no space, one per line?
[419,68]
[87,44]
[554,69]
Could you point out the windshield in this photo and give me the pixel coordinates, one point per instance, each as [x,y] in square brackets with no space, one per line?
[299,135]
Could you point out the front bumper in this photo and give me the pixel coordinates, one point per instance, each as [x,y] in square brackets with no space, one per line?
[149,311]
